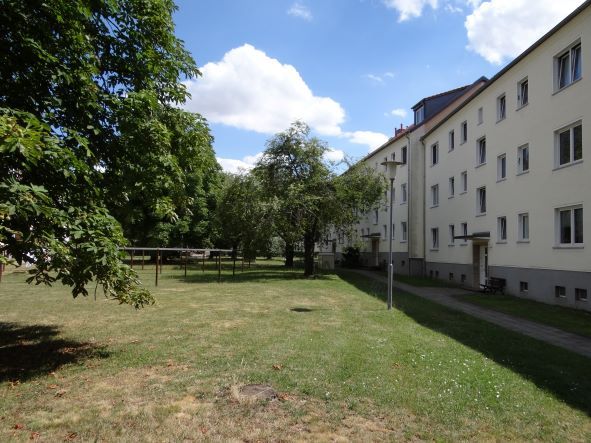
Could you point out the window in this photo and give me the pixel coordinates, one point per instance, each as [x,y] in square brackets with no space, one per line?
[434,195]
[451,275]
[570,225]
[502,229]
[560,291]
[523,159]
[465,232]
[419,114]
[501,107]
[569,144]
[568,67]
[580,294]
[403,189]
[434,238]
[463,278]
[523,286]
[452,234]
[480,116]
[501,167]
[481,151]
[403,226]
[452,140]
[434,154]
[464,131]
[393,156]
[464,180]
[481,200]
[522,93]
[452,186]
[375,216]
[523,227]
[393,231]
[403,153]
[385,231]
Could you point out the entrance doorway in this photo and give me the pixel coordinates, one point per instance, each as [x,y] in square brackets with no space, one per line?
[480,263]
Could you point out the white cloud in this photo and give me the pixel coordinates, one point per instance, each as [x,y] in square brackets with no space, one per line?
[334,155]
[453,9]
[249,90]
[408,9]
[374,78]
[399,112]
[238,166]
[371,139]
[300,10]
[501,29]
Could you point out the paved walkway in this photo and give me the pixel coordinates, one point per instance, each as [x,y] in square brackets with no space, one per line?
[443,296]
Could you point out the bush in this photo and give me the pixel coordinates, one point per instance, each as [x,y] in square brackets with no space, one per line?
[351,257]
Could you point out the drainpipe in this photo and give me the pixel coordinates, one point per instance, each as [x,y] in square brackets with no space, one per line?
[408,211]
[423,210]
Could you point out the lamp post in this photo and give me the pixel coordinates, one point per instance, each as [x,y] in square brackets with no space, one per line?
[390,166]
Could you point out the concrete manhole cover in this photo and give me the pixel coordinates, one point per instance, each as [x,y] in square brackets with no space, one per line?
[258,392]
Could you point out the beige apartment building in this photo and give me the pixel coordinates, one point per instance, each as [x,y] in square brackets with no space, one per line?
[495,181]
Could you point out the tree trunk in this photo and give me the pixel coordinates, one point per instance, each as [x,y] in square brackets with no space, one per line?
[289,253]
[309,254]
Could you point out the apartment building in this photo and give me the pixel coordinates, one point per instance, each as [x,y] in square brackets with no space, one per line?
[494,181]
[507,200]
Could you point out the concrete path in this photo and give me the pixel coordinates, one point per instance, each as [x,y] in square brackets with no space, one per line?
[572,342]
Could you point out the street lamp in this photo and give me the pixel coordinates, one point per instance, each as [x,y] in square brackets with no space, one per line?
[390,166]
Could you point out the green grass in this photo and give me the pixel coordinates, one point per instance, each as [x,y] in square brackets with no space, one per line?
[344,366]
[424,281]
[567,319]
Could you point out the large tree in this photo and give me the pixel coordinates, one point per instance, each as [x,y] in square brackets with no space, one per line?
[103,79]
[310,197]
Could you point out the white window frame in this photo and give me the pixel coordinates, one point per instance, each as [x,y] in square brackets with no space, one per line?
[463,132]
[481,200]
[464,182]
[434,196]
[404,154]
[404,193]
[452,234]
[560,291]
[452,187]
[419,114]
[579,292]
[481,151]
[480,115]
[523,227]
[520,159]
[434,154]
[403,226]
[565,72]
[501,107]
[464,227]
[451,137]
[573,225]
[502,229]
[501,167]
[385,232]
[376,216]
[571,129]
[434,238]
[393,231]
[522,93]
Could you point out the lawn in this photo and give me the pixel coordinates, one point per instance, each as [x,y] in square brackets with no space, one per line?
[571,320]
[343,366]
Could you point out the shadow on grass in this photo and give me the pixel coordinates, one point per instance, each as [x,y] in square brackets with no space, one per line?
[28,351]
[560,372]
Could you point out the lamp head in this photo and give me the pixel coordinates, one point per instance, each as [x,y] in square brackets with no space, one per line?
[390,166]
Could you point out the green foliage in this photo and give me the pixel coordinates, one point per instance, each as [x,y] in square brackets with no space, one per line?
[351,257]
[309,197]
[51,214]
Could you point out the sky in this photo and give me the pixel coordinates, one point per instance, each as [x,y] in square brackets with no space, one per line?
[350,69]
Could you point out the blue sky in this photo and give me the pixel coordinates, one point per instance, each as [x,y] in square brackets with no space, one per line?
[351,69]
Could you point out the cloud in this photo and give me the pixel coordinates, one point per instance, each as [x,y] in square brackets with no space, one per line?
[374,78]
[239,166]
[334,155]
[249,90]
[408,9]
[499,30]
[301,11]
[399,112]
[371,139]
[453,9]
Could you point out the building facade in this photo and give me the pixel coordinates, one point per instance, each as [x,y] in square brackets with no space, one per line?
[497,178]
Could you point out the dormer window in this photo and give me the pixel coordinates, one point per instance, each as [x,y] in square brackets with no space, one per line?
[419,114]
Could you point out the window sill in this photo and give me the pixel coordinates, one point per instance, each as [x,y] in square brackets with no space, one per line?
[568,246]
[520,107]
[450,150]
[523,242]
[522,172]
[402,203]
[403,241]
[566,165]
[451,196]
[434,206]
[463,192]
[481,214]
[463,244]
[434,250]
[499,180]
[558,91]
[502,242]
[479,165]
[451,245]
[501,120]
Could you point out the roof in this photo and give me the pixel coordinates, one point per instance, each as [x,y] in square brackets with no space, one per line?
[450,92]
[520,57]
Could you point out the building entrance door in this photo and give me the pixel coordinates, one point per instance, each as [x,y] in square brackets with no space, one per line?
[375,252]
[483,264]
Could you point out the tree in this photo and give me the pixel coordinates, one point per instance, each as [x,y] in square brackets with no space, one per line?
[310,198]
[102,78]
